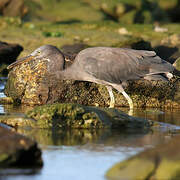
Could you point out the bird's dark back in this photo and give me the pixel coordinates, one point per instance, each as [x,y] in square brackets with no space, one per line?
[120,64]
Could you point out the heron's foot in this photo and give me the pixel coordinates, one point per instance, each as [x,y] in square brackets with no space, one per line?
[130,112]
[111,105]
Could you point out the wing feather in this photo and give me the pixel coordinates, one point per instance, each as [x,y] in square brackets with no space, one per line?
[119,64]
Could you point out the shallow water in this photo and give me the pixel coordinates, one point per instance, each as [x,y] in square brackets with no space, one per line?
[88,154]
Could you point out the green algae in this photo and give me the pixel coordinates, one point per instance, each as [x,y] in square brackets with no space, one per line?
[65,115]
[78,116]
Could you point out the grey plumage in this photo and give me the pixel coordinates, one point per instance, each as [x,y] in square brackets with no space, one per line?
[108,66]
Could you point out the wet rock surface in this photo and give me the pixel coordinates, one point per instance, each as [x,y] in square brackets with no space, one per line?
[18,151]
[161,162]
[75,116]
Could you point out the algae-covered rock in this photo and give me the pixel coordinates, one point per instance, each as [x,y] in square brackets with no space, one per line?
[18,151]
[75,116]
[78,116]
[161,162]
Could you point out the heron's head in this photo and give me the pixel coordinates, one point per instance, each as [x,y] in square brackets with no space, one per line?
[48,53]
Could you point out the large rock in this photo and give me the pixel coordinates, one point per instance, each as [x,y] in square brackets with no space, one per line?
[18,151]
[75,116]
[13,8]
[161,162]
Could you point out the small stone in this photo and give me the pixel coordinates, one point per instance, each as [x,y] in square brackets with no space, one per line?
[123,31]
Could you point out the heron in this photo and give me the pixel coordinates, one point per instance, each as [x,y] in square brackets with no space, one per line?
[108,66]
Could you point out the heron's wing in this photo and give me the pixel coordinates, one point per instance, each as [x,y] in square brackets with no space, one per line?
[116,64]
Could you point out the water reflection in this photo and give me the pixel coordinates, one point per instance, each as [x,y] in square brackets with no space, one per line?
[87,154]
[96,139]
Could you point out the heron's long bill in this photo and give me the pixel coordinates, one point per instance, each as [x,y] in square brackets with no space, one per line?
[20,61]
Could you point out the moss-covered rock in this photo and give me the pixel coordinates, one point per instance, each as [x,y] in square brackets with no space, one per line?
[18,151]
[75,116]
[161,162]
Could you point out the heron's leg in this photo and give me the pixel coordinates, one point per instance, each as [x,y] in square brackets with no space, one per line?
[112,100]
[120,89]
[128,99]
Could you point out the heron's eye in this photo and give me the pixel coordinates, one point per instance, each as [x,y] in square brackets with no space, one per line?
[39,52]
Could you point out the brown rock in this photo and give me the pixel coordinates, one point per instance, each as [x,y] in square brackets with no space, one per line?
[13,8]
[17,150]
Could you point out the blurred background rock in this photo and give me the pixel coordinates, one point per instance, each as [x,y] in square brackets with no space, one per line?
[140,24]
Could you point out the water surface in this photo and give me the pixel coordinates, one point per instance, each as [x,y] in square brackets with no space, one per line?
[88,154]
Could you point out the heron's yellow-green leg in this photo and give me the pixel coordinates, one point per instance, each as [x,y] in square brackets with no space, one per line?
[112,100]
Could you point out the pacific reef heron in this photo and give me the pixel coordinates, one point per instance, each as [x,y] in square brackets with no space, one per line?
[108,66]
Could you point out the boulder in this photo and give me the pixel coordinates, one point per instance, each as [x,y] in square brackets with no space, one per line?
[161,162]
[75,116]
[18,151]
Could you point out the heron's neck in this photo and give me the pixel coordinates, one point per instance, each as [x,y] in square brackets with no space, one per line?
[67,74]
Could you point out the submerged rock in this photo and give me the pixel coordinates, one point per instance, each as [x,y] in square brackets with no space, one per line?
[18,151]
[161,162]
[75,116]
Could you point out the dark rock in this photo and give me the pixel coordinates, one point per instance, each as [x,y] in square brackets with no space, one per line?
[150,12]
[13,8]
[161,162]
[75,116]
[116,11]
[18,151]
[8,53]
